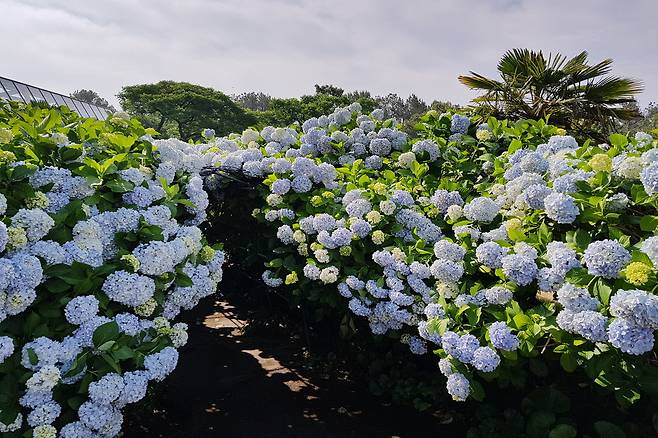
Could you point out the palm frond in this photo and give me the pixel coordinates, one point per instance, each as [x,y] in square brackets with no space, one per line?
[477,81]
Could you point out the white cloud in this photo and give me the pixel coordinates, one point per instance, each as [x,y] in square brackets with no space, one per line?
[283,47]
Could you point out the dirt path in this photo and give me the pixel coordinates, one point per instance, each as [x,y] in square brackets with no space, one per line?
[231,384]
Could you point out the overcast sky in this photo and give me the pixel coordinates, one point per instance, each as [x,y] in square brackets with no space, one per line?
[284,47]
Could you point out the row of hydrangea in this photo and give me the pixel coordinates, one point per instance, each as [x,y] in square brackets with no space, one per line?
[488,244]
[100,250]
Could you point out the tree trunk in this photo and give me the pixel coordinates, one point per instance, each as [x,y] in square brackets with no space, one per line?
[161,124]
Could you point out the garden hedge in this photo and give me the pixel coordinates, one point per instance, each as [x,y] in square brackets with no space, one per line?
[99,252]
[497,247]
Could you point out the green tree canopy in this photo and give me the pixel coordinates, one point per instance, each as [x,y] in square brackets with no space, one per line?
[283,112]
[187,107]
[575,94]
[331,90]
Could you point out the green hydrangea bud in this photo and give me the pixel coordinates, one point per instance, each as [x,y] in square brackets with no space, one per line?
[292,278]
[17,238]
[6,135]
[39,200]
[145,310]
[206,254]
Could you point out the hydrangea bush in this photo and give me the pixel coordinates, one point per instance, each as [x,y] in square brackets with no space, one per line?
[498,247]
[100,250]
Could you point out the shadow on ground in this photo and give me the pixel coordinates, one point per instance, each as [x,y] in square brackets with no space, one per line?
[236,382]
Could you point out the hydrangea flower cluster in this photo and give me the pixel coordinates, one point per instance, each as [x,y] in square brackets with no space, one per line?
[414,251]
[110,246]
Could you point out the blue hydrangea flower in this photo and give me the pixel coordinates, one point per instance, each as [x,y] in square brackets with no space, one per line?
[6,347]
[637,307]
[443,199]
[458,387]
[417,345]
[446,271]
[561,208]
[374,162]
[560,142]
[649,179]
[519,269]
[650,248]
[549,279]
[535,195]
[606,258]
[502,338]
[576,299]
[498,295]
[445,367]
[534,162]
[281,186]
[301,184]
[485,359]
[567,183]
[562,258]
[589,324]
[460,347]
[630,338]
[459,124]
[481,209]
[380,146]
[428,147]
[443,249]
[516,156]
[491,254]
[81,309]
[403,198]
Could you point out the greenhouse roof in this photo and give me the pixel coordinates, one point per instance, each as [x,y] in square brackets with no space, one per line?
[21,92]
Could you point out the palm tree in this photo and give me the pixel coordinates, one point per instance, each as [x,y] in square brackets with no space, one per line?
[575,95]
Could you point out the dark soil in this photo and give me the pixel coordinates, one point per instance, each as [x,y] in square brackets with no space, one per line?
[242,379]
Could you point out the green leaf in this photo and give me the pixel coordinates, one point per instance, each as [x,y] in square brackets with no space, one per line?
[578,276]
[618,140]
[583,239]
[514,146]
[477,391]
[276,263]
[110,361]
[32,356]
[606,429]
[563,431]
[649,223]
[183,280]
[124,352]
[521,320]
[602,291]
[569,362]
[107,345]
[119,185]
[106,332]
[539,423]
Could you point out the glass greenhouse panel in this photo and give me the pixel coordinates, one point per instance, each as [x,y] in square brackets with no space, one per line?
[69,102]
[80,109]
[25,92]
[90,109]
[3,93]
[49,97]
[11,89]
[59,99]
[36,93]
